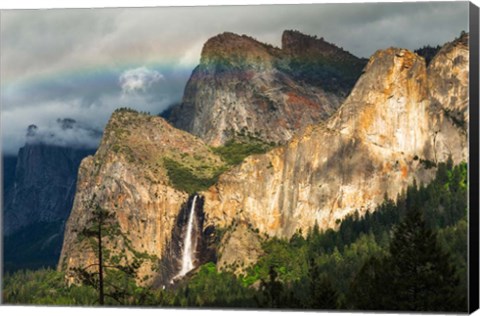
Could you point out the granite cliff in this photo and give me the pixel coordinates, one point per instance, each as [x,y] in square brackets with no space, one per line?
[399,120]
[389,128]
[396,124]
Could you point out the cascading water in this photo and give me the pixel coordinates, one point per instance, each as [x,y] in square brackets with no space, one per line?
[190,246]
[188,255]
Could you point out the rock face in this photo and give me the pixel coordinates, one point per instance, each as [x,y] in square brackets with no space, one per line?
[245,87]
[240,248]
[377,143]
[127,177]
[448,78]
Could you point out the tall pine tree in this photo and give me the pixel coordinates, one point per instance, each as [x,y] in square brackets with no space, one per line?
[417,275]
[423,278]
[322,293]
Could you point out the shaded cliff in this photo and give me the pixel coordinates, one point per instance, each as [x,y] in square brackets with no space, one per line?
[44,185]
[243,86]
[38,199]
[316,62]
[9,163]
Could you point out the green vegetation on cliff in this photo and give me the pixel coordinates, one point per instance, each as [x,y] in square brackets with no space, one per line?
[236,150]
[194,174]
[184,179]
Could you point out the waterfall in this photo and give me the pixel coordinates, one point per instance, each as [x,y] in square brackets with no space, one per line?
[188,251]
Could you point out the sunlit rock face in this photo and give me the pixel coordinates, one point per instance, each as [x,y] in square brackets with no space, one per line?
[240,248]
[243,86]
[375,145]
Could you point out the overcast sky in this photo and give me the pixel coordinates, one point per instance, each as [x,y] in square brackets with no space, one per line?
[84,63]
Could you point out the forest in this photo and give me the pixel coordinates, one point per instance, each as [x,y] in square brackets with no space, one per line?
[410,253]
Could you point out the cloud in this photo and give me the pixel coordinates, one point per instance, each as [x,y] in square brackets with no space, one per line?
[46,41]
[138,79]
[89,99]
[44,122]
[64,132]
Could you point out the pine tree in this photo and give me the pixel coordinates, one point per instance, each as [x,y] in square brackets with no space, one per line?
[102,225]
[417,275]
[325,296]
[271,291]
[423,278]
[370,290]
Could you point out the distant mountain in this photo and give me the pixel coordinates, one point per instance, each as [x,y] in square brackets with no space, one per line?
[38,203]
[39,191]
[244,87]
[44,185]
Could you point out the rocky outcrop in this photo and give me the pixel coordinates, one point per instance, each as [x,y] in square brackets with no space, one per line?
[240,248]
[378,142]
[448,78]
[245,87]
[127,177]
